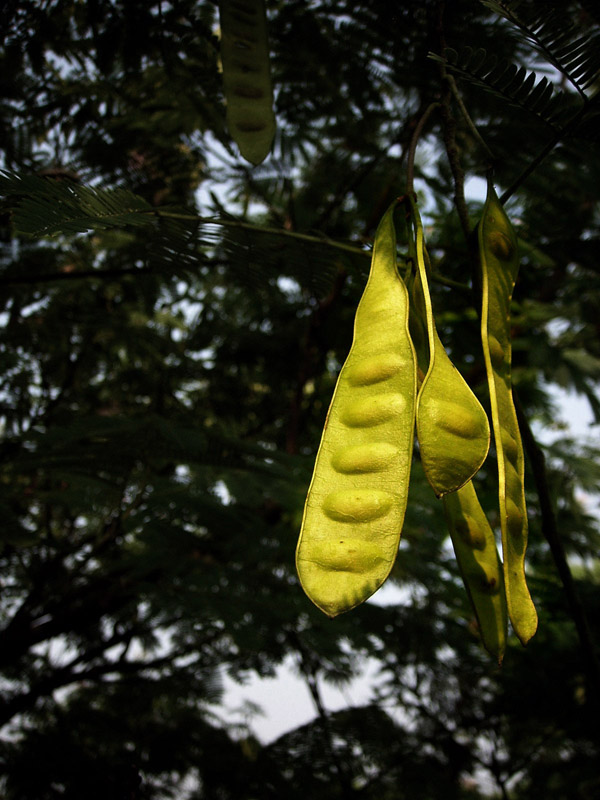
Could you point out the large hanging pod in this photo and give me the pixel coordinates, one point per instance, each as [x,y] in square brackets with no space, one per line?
[246,78]
[356,502]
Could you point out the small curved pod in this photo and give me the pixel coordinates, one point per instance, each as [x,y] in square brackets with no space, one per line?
[356,501]
[480,566]
[452,427]
[499,266]
[246,76]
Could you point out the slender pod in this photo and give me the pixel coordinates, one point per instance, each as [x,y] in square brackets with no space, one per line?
[480,566]
[472,536]
[452,427]
[356,502]
[246,76]
[499,266]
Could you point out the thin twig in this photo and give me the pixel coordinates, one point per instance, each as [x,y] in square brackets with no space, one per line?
[410,166]
[467,117]
[455,165]
[449,132]
[238,223]
[435,277]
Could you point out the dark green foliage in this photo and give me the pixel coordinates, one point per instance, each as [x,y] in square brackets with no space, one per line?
[564,39]
[169,349]
[511,83]
[46,206]
[176,237]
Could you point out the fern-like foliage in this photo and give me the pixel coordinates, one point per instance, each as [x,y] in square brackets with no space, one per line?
[177,239]
[514,84]
[572,48]
[46,206]
[557,36]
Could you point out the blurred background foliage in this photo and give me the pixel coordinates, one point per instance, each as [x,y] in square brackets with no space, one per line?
[169,350]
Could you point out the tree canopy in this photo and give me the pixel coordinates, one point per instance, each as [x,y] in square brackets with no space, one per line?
[173,323]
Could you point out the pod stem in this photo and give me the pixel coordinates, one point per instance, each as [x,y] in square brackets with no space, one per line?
[410,165]
[419,247]
[467,117]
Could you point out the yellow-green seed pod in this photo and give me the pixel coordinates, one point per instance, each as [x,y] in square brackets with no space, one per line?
[499,267]
[452,427]
[357,498]
[246,77]
[472,537]
[480,566]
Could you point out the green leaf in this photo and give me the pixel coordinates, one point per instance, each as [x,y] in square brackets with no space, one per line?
[560,38]
[46,206]
[513,84]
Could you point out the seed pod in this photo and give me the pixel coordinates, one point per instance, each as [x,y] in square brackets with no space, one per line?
[499,267]
[452,427]
[472,537]
[480,566]
[357,497]
[246,78]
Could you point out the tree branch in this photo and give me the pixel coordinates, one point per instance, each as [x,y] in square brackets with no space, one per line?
[309,672]
[467,117]
[65,676]
[550,531]
[410,166]
[449,134]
